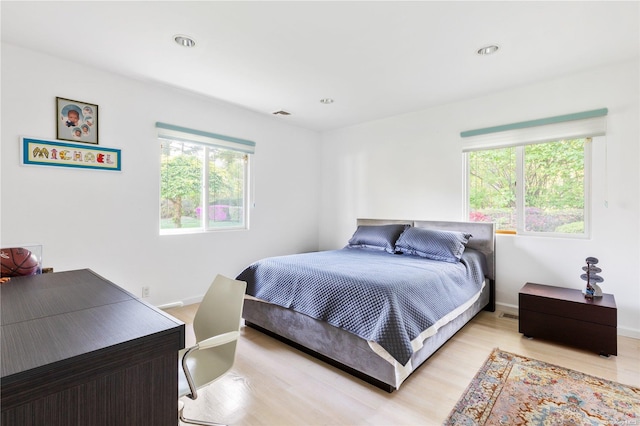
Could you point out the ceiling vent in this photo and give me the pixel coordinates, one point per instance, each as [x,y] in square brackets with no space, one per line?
[281,112]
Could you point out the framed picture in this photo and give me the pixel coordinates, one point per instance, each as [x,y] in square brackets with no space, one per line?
[76,121]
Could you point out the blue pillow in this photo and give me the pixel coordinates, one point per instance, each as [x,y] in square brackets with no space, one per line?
[446,246]
[380,237]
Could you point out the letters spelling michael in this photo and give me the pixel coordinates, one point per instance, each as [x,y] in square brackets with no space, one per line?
[69,155]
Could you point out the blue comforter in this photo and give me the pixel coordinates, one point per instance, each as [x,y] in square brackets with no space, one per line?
[381,297]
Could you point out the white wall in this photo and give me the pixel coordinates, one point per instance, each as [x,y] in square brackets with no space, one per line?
[108,221]
[410,167]
[407,166]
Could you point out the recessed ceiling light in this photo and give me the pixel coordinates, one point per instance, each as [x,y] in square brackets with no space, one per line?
[184,41]
[488,50]
[326,101]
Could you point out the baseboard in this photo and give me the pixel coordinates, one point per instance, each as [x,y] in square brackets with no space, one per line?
[180,303]
[629,332]
[506,308]
[192,300]
[171,305]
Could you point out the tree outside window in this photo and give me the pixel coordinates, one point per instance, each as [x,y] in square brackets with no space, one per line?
[537,188]
[202,187]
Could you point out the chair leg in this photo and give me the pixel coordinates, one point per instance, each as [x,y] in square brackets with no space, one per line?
[183,419]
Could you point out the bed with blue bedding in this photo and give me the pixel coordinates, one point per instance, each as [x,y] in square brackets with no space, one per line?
[380,306]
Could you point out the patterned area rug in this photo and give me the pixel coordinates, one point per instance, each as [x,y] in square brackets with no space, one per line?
[515,390]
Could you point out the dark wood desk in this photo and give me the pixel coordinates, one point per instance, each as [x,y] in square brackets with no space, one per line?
[79,350]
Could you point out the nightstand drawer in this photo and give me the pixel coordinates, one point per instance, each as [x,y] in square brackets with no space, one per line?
[594,337]
[580,311]
[566,316]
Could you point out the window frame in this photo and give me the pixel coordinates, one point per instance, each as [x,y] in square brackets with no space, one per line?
[205,194]
[520,190]
[208,142]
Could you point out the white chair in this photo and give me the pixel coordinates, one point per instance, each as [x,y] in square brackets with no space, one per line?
[217,328]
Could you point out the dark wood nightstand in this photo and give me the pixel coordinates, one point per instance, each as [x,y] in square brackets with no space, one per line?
[564,315]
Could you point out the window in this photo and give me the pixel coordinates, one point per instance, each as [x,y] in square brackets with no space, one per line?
[533,177]
[537,188]
[204,180]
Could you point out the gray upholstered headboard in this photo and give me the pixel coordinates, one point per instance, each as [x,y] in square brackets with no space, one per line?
[483,235]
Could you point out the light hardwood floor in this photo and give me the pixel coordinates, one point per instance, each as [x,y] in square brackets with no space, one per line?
[274,384]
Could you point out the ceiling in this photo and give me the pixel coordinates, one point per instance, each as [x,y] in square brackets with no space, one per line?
[375,59]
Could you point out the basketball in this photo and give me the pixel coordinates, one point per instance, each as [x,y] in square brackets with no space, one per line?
[17,262]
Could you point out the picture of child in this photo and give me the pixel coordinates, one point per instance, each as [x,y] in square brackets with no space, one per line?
[72,118]
[71,114]
[77,121]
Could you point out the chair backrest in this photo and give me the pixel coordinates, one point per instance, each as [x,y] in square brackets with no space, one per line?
[219,312]
[221,308]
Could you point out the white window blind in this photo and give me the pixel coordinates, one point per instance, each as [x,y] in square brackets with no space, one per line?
[569,126]
[177,133]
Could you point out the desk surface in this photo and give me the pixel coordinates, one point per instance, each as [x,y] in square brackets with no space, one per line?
[51,319]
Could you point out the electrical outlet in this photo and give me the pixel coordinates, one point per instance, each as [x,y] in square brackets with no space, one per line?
[146,291]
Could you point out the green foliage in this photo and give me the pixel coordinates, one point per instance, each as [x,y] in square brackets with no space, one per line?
[571,228]
[182,167]
[226,176]
[554,175]
[553,185]
[492,179]
[181,181]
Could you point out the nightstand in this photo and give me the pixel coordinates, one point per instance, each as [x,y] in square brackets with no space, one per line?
[564,315]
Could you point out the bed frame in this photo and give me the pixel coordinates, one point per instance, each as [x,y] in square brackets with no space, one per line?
[353,354]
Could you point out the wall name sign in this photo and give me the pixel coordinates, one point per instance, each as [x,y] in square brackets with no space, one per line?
[38,152]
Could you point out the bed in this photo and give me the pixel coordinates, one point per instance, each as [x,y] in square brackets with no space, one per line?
[307,300]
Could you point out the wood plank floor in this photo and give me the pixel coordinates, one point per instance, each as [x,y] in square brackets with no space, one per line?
[274,384]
